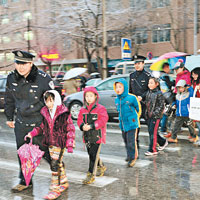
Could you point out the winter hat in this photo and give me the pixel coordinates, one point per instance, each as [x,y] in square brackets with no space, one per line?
[179,64]
[181,83]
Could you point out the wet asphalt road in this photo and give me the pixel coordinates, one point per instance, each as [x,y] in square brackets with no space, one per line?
[172,174]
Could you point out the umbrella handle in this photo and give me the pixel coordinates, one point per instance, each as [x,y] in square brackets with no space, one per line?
[31,139]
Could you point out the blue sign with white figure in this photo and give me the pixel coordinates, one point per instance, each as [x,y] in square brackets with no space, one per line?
[126,48]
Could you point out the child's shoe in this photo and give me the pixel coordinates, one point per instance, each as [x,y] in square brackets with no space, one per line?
[168,135]
[52,195]
[64,186]
[101,170]
[171,140]
[131,163]
[197,142]
[194,139]
[148,153]
[89,178]
[160,148]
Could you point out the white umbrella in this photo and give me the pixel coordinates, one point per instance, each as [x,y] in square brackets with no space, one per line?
[74,72]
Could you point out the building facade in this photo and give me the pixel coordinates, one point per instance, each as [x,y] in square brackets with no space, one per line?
[61,29]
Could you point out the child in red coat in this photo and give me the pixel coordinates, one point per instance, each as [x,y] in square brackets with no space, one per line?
[59,133]
[92,121]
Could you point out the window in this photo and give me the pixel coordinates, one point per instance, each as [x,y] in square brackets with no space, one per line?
[113,5]
[28,35]
[161,33]
[14,0]
[140,36]
[160,3]
[4,19]
[18,36]
[16,17]
[5,39]
[138,4]
[27,15]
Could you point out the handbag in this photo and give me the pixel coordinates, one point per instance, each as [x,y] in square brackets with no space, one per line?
[194,111]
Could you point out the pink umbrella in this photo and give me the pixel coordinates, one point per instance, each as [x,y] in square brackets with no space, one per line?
[171,55]
[30,156]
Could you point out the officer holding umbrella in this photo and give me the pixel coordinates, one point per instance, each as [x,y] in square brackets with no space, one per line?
[24,94]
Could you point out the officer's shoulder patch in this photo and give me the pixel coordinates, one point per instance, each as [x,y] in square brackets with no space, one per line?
[41,73]
[51,85]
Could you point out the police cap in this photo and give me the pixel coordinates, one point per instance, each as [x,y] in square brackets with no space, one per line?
[23,56]
[138,58]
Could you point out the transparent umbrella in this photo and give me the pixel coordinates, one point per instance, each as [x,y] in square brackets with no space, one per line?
[74,72]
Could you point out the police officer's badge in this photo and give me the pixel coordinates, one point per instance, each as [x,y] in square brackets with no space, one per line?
[51,84]
[19,54]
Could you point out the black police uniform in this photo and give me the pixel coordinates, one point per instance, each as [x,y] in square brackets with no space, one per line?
[138,85]
[24,97]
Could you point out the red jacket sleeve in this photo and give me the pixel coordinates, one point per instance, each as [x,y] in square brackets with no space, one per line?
[102,118]
[80,118]
[37,130]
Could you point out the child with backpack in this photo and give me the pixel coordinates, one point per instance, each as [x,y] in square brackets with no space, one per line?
[92,121]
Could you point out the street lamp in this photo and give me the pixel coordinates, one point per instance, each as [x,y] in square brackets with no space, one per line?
[104,71]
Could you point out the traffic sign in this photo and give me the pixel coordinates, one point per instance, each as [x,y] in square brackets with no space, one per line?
[126,48]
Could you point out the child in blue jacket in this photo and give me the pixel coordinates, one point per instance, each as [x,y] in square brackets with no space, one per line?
[129,110]
[182,111]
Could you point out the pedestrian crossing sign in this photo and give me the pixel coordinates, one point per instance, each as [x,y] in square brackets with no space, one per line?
[126,48]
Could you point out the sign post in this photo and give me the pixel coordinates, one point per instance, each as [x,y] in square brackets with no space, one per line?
[126,48]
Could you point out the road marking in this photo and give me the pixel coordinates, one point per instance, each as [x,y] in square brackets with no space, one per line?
[73,176]
[111,159]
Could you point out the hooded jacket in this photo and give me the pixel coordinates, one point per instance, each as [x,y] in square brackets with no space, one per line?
[154,104]
[183,102]
[128,107]
[57,126]
[95,108]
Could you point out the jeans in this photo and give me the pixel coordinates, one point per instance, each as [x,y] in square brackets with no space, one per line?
[163,123]
[198,126]
[154,137]
[130,140]
[178,124]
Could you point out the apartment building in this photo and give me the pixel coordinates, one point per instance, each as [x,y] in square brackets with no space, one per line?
[45,28]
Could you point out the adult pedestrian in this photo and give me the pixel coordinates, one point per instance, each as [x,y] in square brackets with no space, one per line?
[138,84]
[182,73]
[24,94]
[166,84]
[195,80]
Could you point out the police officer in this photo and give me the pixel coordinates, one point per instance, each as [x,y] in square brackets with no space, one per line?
[138,84]
[24,97]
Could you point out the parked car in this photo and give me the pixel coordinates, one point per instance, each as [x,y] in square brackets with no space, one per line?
[127,67]
[3,80]
[93,82]
[107,97]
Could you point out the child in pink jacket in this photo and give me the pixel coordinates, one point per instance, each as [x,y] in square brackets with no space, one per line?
[92,121]
[59,133]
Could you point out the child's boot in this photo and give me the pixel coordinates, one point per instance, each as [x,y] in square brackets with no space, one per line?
[52,195]
[101,170]
[89,178]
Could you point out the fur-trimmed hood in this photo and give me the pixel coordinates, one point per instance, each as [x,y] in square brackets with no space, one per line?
[31,77]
